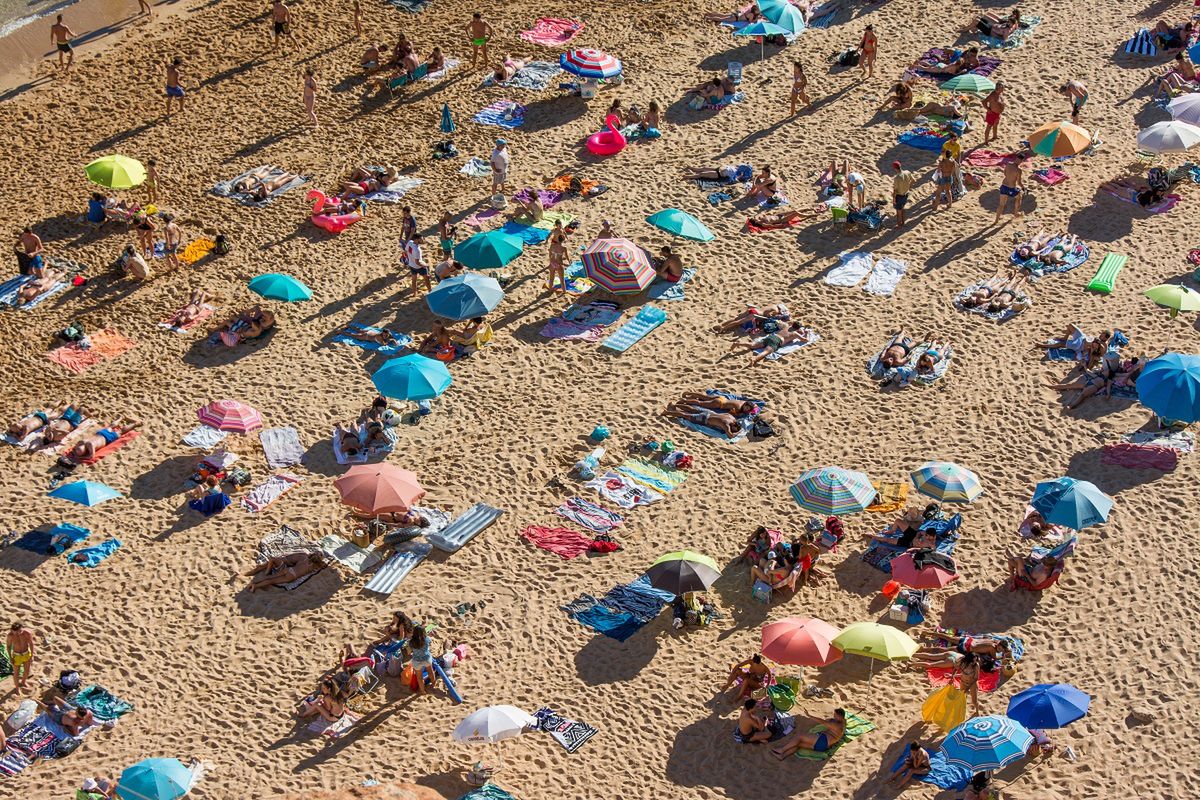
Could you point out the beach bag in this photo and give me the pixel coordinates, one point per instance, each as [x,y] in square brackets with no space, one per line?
[68,681]
[782,697]
[762,429]
[696,102]
[222,245]
[848,57]
[64,747]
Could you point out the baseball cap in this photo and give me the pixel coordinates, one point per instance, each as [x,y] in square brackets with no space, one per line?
[501,141]
[895,165]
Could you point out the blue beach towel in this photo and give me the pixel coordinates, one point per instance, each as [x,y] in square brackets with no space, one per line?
[44,542]
[102,703]
[619,625]
[494,114]
[92,556]
[1016,38]
[526,233]
[9,289]
[823,19]
[402,340]
[665,290]
[942,773]
[633,331]
[922,139]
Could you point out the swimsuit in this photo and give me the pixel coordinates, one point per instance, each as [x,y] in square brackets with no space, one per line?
[280,28]
[479,42]
[1009,191]
[771,341]
[42,416]
[65,47]
[174,91]
[821,744]
[20,659]
[108,435]
[991,117]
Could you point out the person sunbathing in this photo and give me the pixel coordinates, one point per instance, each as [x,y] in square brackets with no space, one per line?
[964,62]
[710,90]
[329,702]
[901,97]
[725,173]
[507,69]
[383,336]
[897,351]
[748,13]
[404,519]
[1122,373]
[829,734]
[191,310]
[765,185]
[279,570]
[753,727]
[726,423]
[528,211]
[753,318]
[994,25]
[73,720]
[436,61]
[58,429]
[250,324]
[364,181]
[935,353]
[1173,37]
[30,291]
[36,421]
[963,645]
[915,765]
[104,437]
[1179,75]
[997,291]
[906,531]
[785,218]
[259,185]
[752,673]
[1132,191]
[716,402]
[1055,254]
[773,342]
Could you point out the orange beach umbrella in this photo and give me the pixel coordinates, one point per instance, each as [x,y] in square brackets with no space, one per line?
[379,488]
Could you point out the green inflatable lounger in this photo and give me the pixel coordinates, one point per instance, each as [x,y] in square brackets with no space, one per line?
[1106,276]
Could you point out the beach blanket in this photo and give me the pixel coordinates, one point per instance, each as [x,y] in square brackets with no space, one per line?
[269,491]
[394,192]
[476,167]
[880,554]
[647,319]
[402,340]
[982,309]
[348,554]
[204,437]
[535,76]
[488,791]
[942,773]
[856,726]
[622,611]
[665,290]
[1183,441]
[502,113]
[943,676]
[1141,44]
[281,446]
[907,374]
[982,157]
[44,542]
[34,740]
[104,345]
[890,496]
[560,541]
[922,139]
[206,311]
[725,101]
[104,705]
[13,762]
[10,287]
[885,276]
[936,56]
[653,475]
[225,188]
[812,338]
[92,556]
[529,234]
[411,6]
[853,268]
[46,295]
[588,515]
[1133,456]
[1079,254]
[570,733]
[1049,176]
[552,31]
[109,449]
[1016,644]
[1015,39]
[622,490]
[583,323]
[284,542]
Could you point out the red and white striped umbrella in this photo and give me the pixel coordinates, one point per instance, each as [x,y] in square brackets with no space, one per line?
[230,415]
[590,63]
[618,265]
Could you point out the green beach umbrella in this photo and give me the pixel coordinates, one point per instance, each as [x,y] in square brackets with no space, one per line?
[680,223]
[490,250]
[277,286]
[116,172]
[1175,297]
[683,571]
[875,641]
[969,83]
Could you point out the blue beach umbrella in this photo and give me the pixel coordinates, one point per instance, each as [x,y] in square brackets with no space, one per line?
[447,121]
[762,29]
[786,16]
[465,296]
[155,779]
[1170,387]
[947,482]
[1048,705]
[680,223]
[412,377]
[489,250]
[833,490]
[277,286]
[86,493]
[986,743]
[1194,53]
[1073,503]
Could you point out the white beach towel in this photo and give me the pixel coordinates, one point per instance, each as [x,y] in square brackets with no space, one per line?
[885,277]
[204,437]
[348,553]
[854,267]
[476,167]
[269,491]
[281,446]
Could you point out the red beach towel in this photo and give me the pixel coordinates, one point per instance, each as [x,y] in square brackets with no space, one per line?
[561,541]
[552,31]
[940,676]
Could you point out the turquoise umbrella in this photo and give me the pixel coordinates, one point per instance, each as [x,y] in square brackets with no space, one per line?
[1070,502]
[155,779]
[786,16]
[465,296]
[412,377]
[277,286]
[490,250]
[762,29]
[1170,387]
[983,744]
[447,120]
[680,223]
[86,493]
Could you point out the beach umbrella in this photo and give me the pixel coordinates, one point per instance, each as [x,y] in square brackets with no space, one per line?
[155,779]
[86,493]
[801,641]
[230,415]
[947,482]
[1176,297]
[590,63]
[116,172]
[683,571]
[447,125]
[1070,502]
[1186,108]
[680,223]
[1170,387]
[493,724]
[465,296]
[379,488]
[412,377]
[1194,53]
[1048,705]
[785,15]
[875,641]
[618,265]
[762,29]
[277,286]
[1172,136]
[969,83]
[930,576]
[488,250]
[983,744]
[1059,139]
[833,490]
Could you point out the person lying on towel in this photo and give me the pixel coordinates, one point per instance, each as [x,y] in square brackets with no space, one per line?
[773,342]
[104,437]
[279,570]
[250,324]
[831,732]
[38,286]
[725,423]
[1031,569]
[755,318]
[999,293]
[995,26]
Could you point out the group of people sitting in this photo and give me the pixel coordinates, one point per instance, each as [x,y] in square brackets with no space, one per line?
[648,122]
[788,565]
[446,343]
[1099,363]
[402,61]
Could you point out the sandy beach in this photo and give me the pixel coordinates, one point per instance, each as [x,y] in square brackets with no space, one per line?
[213,670]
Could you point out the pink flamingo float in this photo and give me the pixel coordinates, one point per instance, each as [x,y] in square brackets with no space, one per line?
[334,223]
[607,142]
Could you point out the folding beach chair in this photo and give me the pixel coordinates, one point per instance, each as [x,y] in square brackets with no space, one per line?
[404,80]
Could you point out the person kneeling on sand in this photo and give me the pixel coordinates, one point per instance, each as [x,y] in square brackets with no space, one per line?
[753,674]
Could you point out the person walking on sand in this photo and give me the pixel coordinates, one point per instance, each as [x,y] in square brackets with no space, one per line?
[151,182]
[310,98]
[418,270]
[60,37]
[1011,186]
[478,32]
[500,162]
[943,180]
[558,258]
[281,23]
[993,107]
[902,184]
[144,7]
[799,87]
[174,83]
[1077,92]
[20,644]
[172,239]
[869,48]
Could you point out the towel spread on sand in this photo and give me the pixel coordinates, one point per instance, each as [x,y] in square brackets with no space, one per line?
[225,188]
[437,75]
[1134,456]
[560,541]
[890,496]
[942,773]
[583,323]
[281,446]
[103,704]
[653,475]
[528,234]
[853,268]
[535,76]
[885,277]
[567,732]
[109,449]
[56,540]
[856,726]
[552,31]
[589,515]
[547,197]
[46,295]
[502,113]
[204,437]
[394,192]
[402,340]
[348,553]
[269,491]
[623,491]
[206,311]
[812,337]
[92,556]
[104,345]
[982,157]
[665,290]
[10,287]
[936,56]
[1183,441]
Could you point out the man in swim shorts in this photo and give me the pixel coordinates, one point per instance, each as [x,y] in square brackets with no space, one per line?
[725,423]
[174,86]
[30,252]
[1011,186]
[478,32]
[1078,94]
[827,734]
[60,37]
[281,23]
[103,438]
[993,107]
[20,644]
[902,184]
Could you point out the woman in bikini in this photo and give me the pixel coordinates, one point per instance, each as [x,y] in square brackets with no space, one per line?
[284,569]
[765,185]
[258,185]
[901,97]
[250,324]
[191,310]
[993,288]
[557,257]
[750,13]
[506,70]
[934,354]
[104,437]
[383,336]
[799,87]
[34,288]
[752,318]
[716,402]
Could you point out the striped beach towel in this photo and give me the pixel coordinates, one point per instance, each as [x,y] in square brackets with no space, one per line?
[1141,44]
[552,31]
[502,113]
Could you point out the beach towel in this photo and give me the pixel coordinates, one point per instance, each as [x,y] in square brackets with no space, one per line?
[745,421]
[1050,176]
[206,311]
[982,157]
[1106,276]
[342,458]
[936,56]
[1183,441]
[552,31]
[396,569]
[204,437]
[570,733]
[35,302]
[822,18]
[907,374]
[476,167]
[582,323]
[1133,456]
[402,340]
[529,234]
[394,192]
[548,198]
[534,76]
[488,791]
[725,101]
[856,726]
[885,276]
[653,475]
[632,332]
[104,345]
[890,496]
[108,449]
[942,773]
[348,554]
[281,446]
[13,762]
[750,226]
[945,676]
[284,542]
[464,528]
[665,290]
[812,338]
[502,113]
[880,554]
[1015,39]
[10,287]
[1141,44]
[55,540]
[853,268]
[982,310]
[922,139]
[91,556]
[209,504]
[34,740]
[560,541]
[411,6]
[437,75]
[269,491]
[1080,253]
[1016,645]
[589,515]
[225,188]
[104,705]
[623,491]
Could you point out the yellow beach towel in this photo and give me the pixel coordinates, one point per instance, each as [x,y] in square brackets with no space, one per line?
[892,496]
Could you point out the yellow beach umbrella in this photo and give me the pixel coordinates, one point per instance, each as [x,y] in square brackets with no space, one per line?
[1059,139]
[116,172]
[875,641]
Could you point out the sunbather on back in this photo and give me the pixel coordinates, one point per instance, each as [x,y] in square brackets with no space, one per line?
[284,569]
[36,421]
[935,354]
[897,351]
[70,419]
[1031,569]
[716,402]
[104,437]
[726,423]
[258,186]
[753,318]
[31,290]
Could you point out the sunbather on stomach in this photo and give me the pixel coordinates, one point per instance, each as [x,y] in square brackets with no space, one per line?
[752,318]
[36,421]
[966,62]
[250,324]
[104,437]
[715,402]
[1132,192]
[259,186]
[726,423]
[58,429]
[34,288]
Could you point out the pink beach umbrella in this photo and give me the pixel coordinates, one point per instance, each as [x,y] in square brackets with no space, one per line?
[929,576]
[230,415]
[618,265]
[379,488]
[800,641]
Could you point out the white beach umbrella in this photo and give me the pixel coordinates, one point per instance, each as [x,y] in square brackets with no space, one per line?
[1186,108]
[1169,137]
[493,724]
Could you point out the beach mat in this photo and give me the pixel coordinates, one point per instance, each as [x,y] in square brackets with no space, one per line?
[942,55]
[534,76]
[104,345]
[584,323]
[348,554]
[942,773]
[622,490]
[502,113]
[562,542]
[890,496]
[571,734]
[225,188]
[632,332]
[1016,38]
[589,515]
[283,542]
[552,31]
[665,290]
[104,705]
[411,6]
[856,726]
[395,569]
[281,446]
[465,528]
[91,557]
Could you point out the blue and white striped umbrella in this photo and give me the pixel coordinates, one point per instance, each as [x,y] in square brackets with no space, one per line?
[947,482]
[986,743]
[833,490]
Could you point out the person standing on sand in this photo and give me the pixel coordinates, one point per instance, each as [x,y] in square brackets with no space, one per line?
[902,184]
[1012,186]
[869,47]
[172,239]
[500,162]
[144,7]
[20,645]
[151,182]
[558,258]
[799,87]
[29,245]
[174,84]
[478,32]
[1077,92]
[357,20]
[310,97]
[60,37]
[281,23]
[993,107]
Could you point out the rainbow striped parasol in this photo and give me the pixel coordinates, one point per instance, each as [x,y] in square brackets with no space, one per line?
[618,265]
[833,490]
